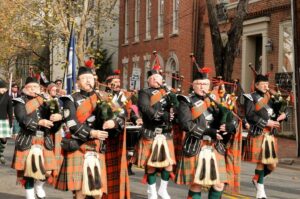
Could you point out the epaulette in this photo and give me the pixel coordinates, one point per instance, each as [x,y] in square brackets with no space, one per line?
[248,96]
[183,98]
[66,97]
[19,99]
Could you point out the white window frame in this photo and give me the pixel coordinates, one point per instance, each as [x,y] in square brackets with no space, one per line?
[126,23]
[137,20]
[148,19]
[125,72]
[160,24]
[175,20]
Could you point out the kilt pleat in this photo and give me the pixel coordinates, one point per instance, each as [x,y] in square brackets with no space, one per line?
[57,137]
[70,176]
[19,158]
[253,148]
[5,130]
[145,149]
[186,169]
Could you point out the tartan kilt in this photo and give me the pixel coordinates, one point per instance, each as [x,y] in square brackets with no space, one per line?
[187,166]
[57,137]
[70,176]
[178,139]
[5,130]
[145,149]
[19,158]
[253,148]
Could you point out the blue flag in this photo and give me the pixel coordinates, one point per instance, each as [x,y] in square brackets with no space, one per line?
[71,70]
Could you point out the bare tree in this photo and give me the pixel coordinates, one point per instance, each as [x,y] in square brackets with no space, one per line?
[224,55]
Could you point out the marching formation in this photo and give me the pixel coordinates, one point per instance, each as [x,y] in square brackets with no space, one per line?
[88,141]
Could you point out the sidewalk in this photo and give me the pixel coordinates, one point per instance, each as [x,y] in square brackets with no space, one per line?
[287,151]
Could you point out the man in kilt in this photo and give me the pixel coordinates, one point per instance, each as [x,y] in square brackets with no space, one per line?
[6,118]
[156,117]
[261,145]
[84,170]
[116,156]
[200,121]
[33,158]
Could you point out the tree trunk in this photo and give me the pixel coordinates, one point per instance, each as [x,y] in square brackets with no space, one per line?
[218,49]
[224,56]
[234,35]
[82,30]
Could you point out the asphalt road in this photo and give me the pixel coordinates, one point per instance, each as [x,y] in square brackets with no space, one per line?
[284,183]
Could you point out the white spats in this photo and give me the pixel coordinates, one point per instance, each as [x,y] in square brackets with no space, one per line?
[260,194]
[162,191]
[30,193]
[151,191]
[39,188]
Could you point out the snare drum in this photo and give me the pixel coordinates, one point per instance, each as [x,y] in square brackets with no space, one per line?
[132,136]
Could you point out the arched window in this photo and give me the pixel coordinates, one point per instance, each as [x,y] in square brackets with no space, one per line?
[172,71]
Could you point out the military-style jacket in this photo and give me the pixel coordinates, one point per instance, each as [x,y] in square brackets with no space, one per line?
[258,110]
[154,112]
[81,131]
[196,118]
[29,123]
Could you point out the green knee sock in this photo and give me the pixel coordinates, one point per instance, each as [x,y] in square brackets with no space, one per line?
[165,175]
[151,178]
[267,171]
[214,194]
[29,183]
[194,195]
[260,173]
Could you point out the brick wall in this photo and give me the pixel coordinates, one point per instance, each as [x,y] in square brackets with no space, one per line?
[180,44]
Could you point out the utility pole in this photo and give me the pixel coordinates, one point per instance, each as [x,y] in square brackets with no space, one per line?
[296,29]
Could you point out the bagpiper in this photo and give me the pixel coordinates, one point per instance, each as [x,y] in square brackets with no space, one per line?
[261,145]
[116,157]
[33,158]
[156,148]
[83,170]
[202,165]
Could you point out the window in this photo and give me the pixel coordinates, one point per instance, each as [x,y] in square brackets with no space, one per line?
[125,72]
[175,16]
[126,23]
[160,18]
[125,75]
[148,18]
[137,19]
[172,69]
[146,69]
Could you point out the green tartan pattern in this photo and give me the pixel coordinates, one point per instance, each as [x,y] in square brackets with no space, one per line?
[19,158]
[187,166]
[5,130]
[253,149]
[71,172]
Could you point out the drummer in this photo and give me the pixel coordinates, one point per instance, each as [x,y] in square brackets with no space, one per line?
[134,118]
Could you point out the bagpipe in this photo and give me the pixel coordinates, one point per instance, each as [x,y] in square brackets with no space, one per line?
[51,104]
[280,97]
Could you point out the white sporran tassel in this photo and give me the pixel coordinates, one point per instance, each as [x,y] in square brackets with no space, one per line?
[35,163]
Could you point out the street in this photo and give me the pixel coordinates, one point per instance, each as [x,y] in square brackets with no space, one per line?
[284,183]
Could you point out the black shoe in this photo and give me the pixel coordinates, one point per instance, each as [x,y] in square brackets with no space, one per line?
[130,172]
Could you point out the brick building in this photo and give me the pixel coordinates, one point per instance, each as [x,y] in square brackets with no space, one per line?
[175,28]
[167,26]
